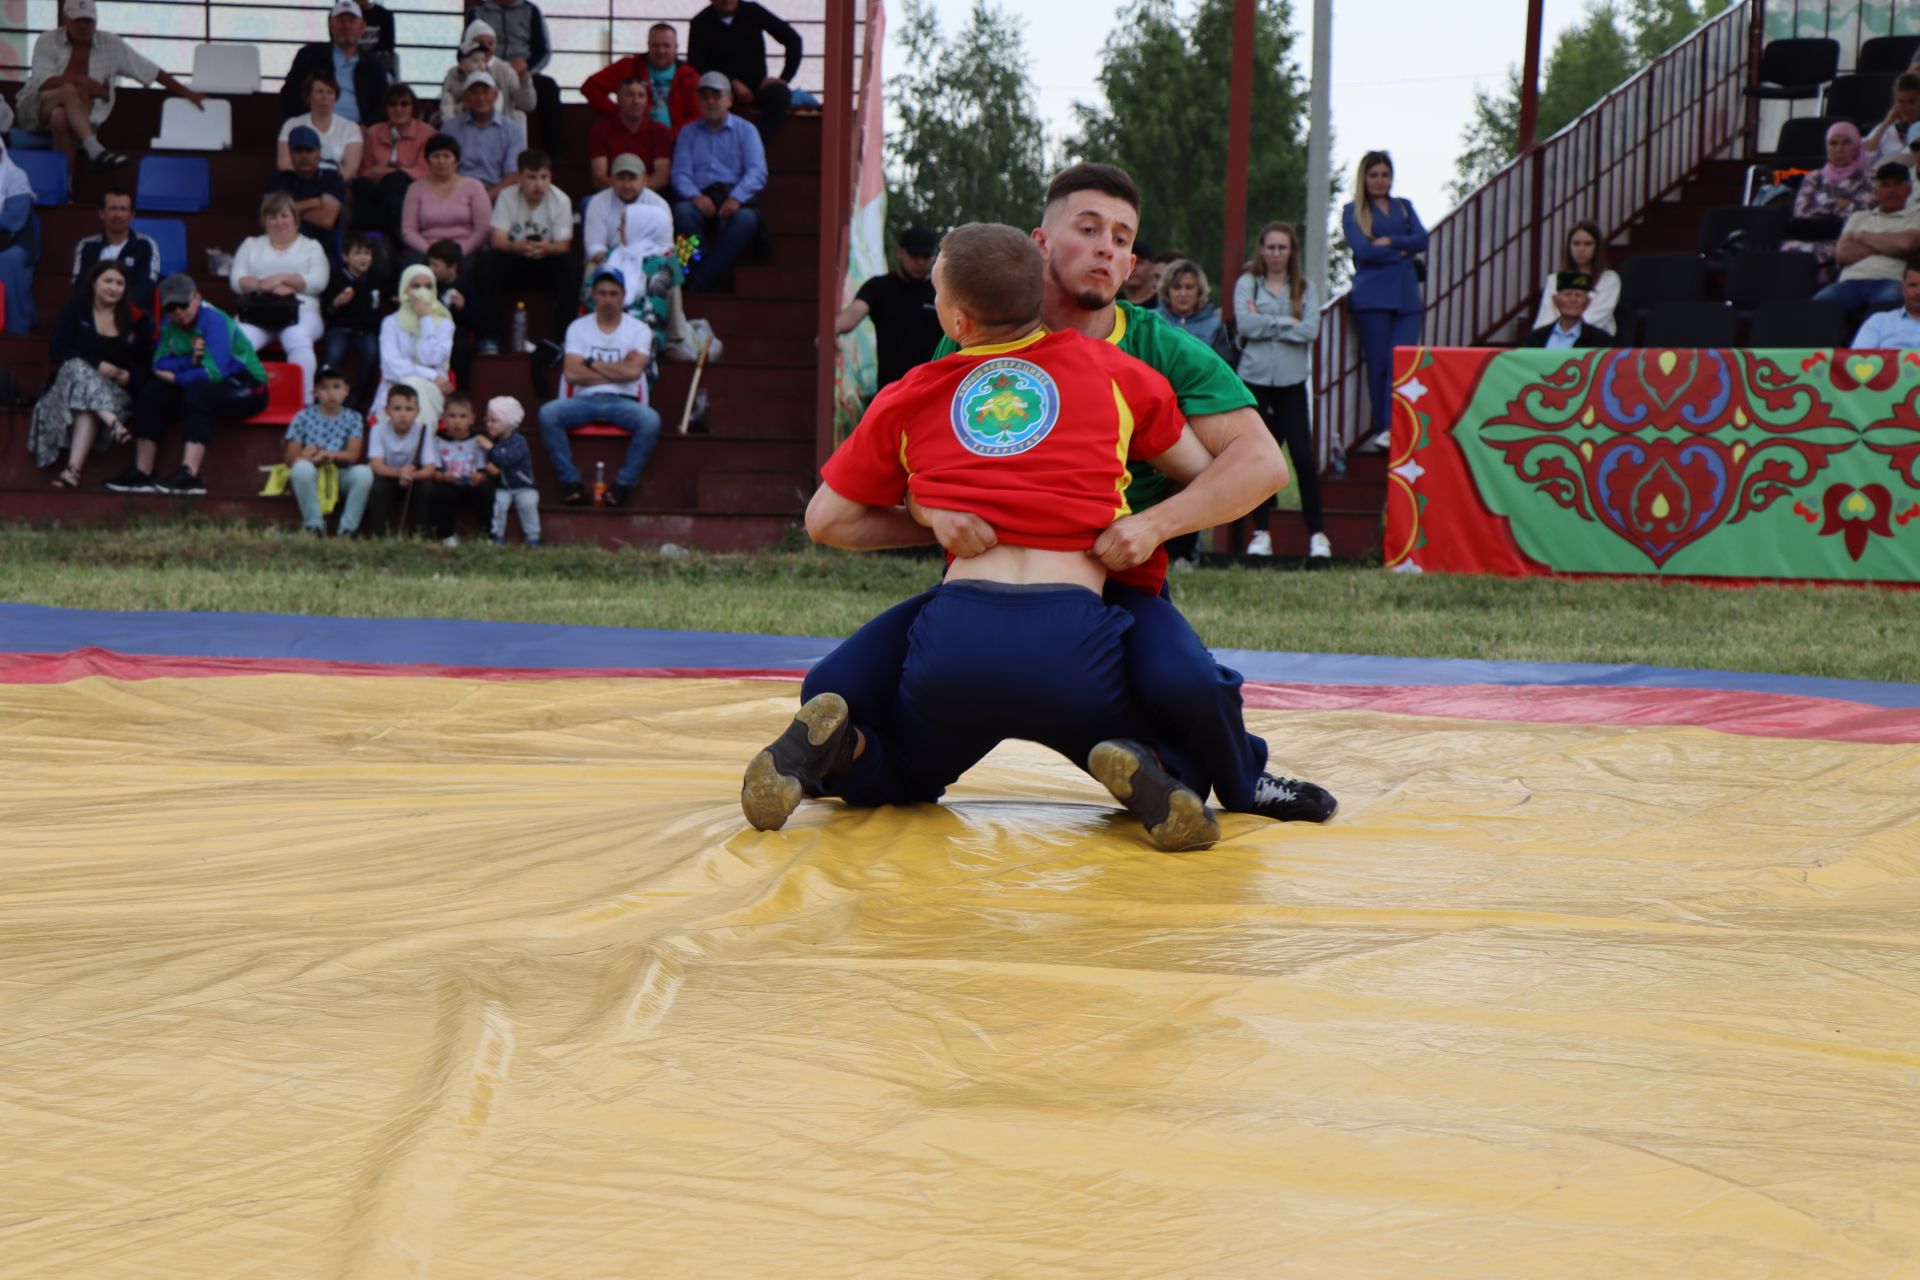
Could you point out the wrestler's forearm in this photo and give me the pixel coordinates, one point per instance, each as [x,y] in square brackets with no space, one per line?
[871,529]
[1246,470]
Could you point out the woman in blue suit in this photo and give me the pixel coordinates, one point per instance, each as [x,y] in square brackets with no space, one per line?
[1385,235]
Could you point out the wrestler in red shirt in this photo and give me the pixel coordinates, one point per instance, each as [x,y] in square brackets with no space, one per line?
[1031,432]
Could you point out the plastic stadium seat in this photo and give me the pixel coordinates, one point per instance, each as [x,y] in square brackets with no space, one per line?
[1691,324]
[19,139]
[1783,276]
[1887,55]
[1759,228]
[1862,99]
[47,171]
[1651,279]
[1795,68]
[226,68]
[172,184]
[1803,142]
[1799,324]
[185,127]
[171,235]
[286,394]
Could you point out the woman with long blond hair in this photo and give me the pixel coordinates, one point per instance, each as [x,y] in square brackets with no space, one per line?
[1386,238]
[1278,318]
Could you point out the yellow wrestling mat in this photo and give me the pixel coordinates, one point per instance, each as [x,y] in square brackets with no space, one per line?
[311,976]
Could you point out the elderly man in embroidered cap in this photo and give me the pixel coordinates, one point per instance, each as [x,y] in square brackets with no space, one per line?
[69,86]
[1571,290]
[362,77]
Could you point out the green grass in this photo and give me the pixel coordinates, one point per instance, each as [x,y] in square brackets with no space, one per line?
[201,565]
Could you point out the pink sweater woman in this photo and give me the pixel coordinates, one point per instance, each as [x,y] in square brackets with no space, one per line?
[445,205]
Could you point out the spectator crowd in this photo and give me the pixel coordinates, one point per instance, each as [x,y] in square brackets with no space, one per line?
[392,232]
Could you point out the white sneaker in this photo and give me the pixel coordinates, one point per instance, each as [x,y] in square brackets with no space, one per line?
[451,540]
[1319,548]
[1379,443]
[1260,544]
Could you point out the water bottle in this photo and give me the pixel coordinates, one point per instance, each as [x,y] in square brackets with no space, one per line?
[519,343]
[599,484]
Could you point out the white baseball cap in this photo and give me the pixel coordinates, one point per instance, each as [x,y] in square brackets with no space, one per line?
[478,77]
[81,9]
[349,7]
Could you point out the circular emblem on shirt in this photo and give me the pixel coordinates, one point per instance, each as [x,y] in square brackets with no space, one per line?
[1005,406]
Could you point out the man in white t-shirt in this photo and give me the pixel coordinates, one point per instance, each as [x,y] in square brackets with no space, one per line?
[530,246]
[606,368]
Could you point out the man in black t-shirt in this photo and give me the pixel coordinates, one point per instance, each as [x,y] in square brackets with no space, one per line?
[906,329]
[318,194]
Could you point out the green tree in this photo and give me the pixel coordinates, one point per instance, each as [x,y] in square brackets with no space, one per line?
[1166,84]
[970,146]
[1588,61]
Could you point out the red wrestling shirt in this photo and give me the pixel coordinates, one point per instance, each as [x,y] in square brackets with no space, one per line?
[1031,436]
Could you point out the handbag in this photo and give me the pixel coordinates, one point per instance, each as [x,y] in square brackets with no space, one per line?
[270,311]
[1420,268]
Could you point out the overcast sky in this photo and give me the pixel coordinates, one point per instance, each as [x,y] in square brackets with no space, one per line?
[1404,72]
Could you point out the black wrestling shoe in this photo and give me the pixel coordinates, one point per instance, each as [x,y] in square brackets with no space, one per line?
[817,743]
[1175,816]
[1292,800]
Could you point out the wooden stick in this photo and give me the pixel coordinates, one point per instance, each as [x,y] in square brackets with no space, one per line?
[693,388]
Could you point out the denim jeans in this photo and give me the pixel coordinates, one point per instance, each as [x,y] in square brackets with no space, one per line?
[524,501]
[355,483]
[557,417]
[721,240]
[1861,295]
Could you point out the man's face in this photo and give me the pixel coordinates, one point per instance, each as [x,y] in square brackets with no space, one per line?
[1910,291]
[306,161]
[80,30]
[444,272]
[608,299]
[479,101]
[1906,105]
[1087,239]
[401,411]
[914,266]
[458,420]
[331,394]
[714,104]
[185,313]
[627,186]
[634,99]
[1892,193]
[724,7]
[663,48]
[534,184]
[1571,304]
[345,29]
[116,214]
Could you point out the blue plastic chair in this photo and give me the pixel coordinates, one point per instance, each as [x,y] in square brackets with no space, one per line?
[172,184]
[171,235]
[19,139]
[47,170]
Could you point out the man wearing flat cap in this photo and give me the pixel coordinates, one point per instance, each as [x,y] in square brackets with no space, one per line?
[362,77]
[719,170]
[1571,289]
[490,144]
[906,328]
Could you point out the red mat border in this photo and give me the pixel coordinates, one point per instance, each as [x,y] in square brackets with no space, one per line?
[1766,715]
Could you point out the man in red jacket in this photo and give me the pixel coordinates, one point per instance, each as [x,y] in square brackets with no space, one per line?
[676,94]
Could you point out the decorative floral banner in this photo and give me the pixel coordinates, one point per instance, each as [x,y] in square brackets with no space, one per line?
[1718,464]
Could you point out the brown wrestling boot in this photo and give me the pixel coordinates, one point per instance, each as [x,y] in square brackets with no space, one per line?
[818,742]
[1175,816]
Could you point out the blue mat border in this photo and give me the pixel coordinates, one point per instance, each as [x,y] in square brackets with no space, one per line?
[531,646]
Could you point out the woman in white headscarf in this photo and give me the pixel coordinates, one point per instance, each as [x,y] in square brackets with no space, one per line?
[479,50]
[416,346]
[19,242]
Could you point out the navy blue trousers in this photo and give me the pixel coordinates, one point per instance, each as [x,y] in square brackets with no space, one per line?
[1380,332]
[1191,703]
[986,662]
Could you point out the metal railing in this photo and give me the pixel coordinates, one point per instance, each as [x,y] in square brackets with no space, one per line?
[585,35]
[1487,258]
